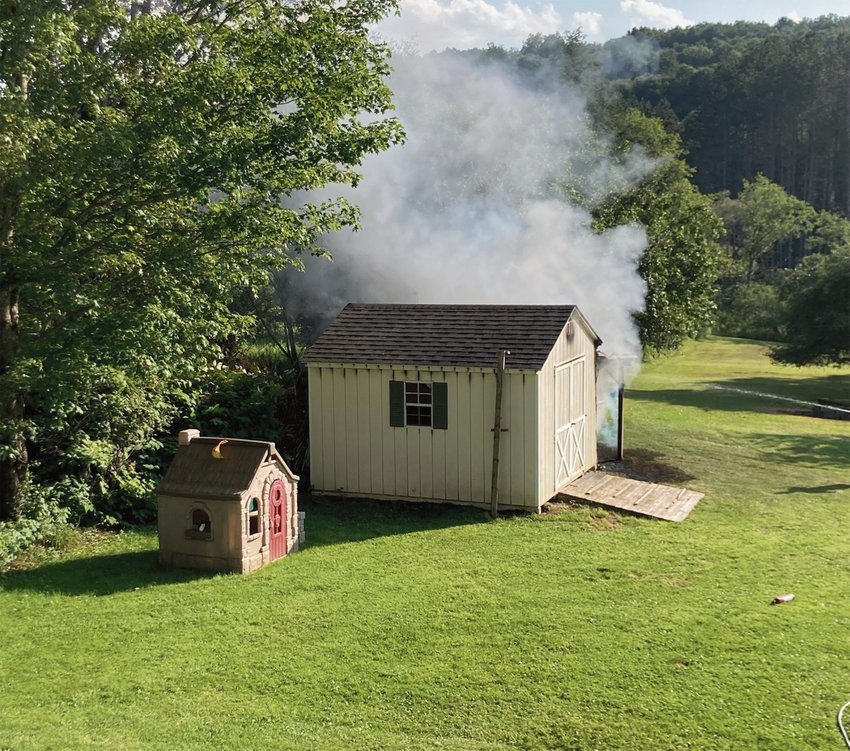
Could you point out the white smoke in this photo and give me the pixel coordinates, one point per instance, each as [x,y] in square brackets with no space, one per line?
[472,208]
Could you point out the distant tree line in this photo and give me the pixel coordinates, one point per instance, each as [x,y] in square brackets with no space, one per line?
[752,99]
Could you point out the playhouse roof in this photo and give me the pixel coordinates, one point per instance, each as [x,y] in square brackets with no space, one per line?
[455,335]
[196,473]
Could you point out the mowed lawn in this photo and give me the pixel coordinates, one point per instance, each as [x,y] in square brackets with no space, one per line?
[407,627]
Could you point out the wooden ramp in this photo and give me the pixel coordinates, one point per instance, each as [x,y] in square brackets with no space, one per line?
[647,498]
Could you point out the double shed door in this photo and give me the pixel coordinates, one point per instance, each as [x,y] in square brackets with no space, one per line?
[570,420]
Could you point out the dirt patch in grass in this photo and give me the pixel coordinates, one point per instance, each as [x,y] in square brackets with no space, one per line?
[646,465]
[597,518]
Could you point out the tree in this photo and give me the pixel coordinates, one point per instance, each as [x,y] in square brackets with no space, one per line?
[815,305]
[151,159]
[680,263]
[762,215]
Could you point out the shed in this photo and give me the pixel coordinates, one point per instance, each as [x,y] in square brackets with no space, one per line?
[402,402]
[226,504]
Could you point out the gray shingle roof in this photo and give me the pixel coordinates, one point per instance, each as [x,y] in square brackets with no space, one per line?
[453,335]
[194,473]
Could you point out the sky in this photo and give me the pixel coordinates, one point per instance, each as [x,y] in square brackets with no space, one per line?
[426,25]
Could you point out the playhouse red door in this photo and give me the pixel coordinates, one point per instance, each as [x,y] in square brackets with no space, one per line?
[277,520]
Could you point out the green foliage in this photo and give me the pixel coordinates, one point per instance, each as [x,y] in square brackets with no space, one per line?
[761,216]
[816,311]
[680,262]
[149,164]
[753,98]
[806,307]
[243,405]
[752,311]
[43,520]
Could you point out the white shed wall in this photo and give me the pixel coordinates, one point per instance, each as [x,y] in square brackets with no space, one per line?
[354,451]
[566,349]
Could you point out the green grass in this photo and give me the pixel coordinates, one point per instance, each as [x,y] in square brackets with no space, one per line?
[405,627]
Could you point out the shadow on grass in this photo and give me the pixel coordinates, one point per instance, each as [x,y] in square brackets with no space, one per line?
[98,575]
[330,521]
[333,521]
[817,489]
[643,464]
[831,389]
[820,450]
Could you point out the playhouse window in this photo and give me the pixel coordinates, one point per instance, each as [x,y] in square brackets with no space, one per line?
[254,516]
[200,525]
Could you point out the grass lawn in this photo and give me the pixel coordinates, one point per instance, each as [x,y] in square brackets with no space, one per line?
[400,627]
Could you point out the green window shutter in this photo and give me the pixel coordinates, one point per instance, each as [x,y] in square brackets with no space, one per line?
[396,404]
[441,406]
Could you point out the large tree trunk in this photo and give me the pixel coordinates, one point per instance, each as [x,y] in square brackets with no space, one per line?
[13,446]
[13,460]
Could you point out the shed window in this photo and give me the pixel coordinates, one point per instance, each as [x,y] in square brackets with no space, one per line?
[418,404]
[200,525]
[254,516]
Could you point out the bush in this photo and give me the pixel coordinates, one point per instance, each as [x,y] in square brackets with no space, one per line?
[751,311]
[816,311]
[42,520]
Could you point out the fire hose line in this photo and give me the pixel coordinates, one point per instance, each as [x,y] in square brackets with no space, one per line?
[841,724]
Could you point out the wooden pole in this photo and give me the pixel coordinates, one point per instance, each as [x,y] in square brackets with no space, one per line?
[497,435]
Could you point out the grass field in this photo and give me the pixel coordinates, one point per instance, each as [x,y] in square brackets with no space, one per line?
[400,627]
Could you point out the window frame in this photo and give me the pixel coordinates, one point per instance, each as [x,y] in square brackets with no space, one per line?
[253,515]
[413,402]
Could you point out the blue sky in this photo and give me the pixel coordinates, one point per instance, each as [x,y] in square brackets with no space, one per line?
[437,24]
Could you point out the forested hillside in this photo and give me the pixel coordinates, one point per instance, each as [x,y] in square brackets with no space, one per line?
[750,98]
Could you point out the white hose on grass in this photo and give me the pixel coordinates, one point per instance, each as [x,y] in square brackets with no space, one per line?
[721,387]
[841,724]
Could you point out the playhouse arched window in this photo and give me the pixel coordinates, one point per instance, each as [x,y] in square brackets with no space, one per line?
[253,516]
[200,524]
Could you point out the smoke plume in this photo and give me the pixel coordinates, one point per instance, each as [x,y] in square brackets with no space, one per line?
[473,209]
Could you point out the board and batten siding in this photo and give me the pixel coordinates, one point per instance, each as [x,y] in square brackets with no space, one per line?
[355,451]
[568,348]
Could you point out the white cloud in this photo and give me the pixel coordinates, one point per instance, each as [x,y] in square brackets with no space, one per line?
[438,24]
[656,15]
[792,15]
[589,21]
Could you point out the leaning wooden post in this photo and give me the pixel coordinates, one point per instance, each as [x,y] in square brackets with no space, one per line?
[497,435]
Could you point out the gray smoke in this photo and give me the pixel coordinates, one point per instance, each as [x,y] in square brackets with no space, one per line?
[474,208]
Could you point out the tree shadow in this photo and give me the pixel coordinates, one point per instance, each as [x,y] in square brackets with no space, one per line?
[817,489]
[333,520]
[99,575]
[819,450]
[731,396]
[329,521]
[829,389]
